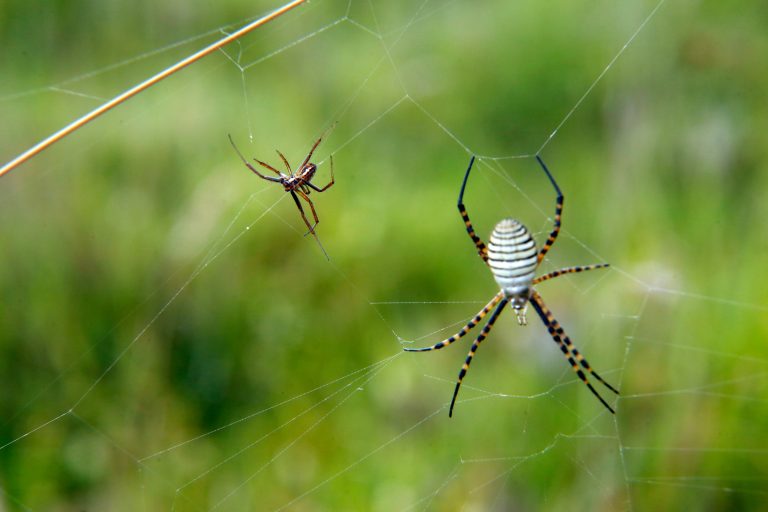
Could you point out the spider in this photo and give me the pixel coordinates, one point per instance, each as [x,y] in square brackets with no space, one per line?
[513,258]
[298,183]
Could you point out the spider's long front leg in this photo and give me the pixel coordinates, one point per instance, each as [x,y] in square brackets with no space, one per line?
[558,213]
[567,348]
[472,323]
[569,270]
[482,250]
[252,168]
[475,345]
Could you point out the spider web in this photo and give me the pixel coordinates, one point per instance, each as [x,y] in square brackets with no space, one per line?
[172,341]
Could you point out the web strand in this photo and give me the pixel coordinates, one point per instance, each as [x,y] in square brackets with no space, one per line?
[601,75]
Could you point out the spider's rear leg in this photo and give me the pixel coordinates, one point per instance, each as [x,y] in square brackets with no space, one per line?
[569,351]
[306,221]
[312,207]
[301,211]
[330,183]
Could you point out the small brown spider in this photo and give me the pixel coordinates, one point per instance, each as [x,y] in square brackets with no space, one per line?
[299,182]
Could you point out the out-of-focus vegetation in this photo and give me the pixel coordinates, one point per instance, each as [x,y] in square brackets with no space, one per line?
[153,291]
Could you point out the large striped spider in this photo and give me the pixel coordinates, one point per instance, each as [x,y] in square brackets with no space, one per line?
[512,256]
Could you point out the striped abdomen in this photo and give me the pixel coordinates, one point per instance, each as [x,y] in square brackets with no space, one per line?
[512,258]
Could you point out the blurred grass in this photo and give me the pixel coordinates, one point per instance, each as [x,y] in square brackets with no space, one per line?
[663,167]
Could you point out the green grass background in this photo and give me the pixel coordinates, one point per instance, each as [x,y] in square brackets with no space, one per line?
[110,354]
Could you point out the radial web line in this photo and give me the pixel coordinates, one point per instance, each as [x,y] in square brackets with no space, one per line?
[601,75]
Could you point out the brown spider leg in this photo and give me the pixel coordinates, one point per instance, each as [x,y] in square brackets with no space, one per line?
[472,323]
[328,185]
[567,348]
[317,143]
[314,213]
[314,147]
[287,165]
[301,209]
[569,270]
[264,164]
[306,221]
[482,250]
[475,345]
[252,168]
[558,213]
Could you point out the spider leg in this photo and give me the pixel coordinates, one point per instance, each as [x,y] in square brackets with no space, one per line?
[266,165]
[475,345]
[317,239]
[328,185]
[314,146]
[567,348]
[252,168]
[569,270]
[287,165]
[301,210]
[472,323]
[314,213]
[558,213]
[482,250]
[311,228]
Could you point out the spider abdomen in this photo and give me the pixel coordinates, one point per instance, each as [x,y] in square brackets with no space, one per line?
[512,256]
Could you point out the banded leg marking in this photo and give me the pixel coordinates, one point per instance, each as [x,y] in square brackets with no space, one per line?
[472,323]
[482,250]
[566,347]
[569,270]
[475,345]
[558,213]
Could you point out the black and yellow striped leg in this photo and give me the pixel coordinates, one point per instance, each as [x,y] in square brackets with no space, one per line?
[472,323]
[569,270]
[558,213]
[475,345]
[567,348]
[481,248]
